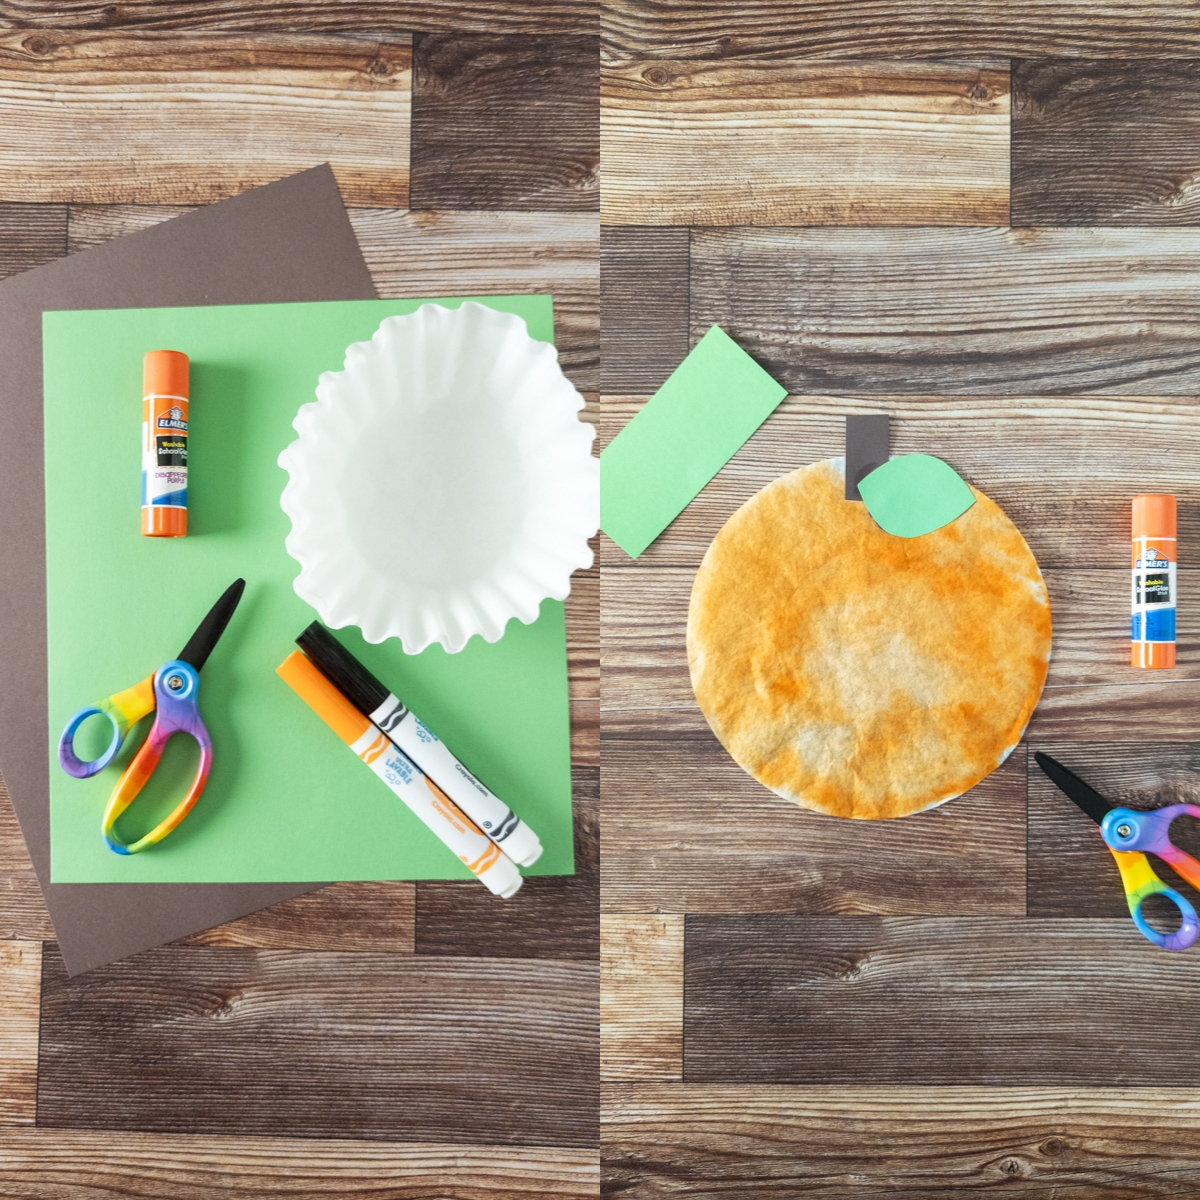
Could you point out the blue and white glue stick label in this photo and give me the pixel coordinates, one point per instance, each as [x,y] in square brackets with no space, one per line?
[164,451]
[1153,599]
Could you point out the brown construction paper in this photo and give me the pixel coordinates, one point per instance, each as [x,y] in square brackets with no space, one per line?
[290,240]
[866,449]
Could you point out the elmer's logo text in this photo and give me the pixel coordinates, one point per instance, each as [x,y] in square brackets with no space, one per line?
[172,419]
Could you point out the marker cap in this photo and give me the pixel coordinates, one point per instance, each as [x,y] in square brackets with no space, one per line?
[502,878]
[1154,516]
[165,373]
[322,697]
[522,845]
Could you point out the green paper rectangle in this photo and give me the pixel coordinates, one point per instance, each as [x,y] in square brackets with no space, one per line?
[691,427]
[286,800]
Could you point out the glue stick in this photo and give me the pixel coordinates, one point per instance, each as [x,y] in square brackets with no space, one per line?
[1153,628]
[164,443]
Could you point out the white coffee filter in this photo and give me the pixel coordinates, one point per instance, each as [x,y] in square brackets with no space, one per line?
[442,483]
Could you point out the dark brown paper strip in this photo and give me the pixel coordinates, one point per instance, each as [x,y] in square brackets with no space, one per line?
[287,241]
[866,449]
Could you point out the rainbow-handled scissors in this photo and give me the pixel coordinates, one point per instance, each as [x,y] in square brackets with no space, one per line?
[173,690]
[1130,835]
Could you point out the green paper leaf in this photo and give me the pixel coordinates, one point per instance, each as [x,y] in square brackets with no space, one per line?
[915,494]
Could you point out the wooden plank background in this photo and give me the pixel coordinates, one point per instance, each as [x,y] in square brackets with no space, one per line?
[956,1001]
[863,29]
[48,1164]
[393,1046]
[908,311]
[158,119]
[322,16]
[932,1143]
[384,1038]
[643,314]
[782,142]
[996,1000]
[470,153]
[1102,143]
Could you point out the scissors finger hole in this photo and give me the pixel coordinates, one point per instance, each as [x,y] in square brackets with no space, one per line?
[95,736]
[164,788]
[1161,913]
[89,743]
[1179,939]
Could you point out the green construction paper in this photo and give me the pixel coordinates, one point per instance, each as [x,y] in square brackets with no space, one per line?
[915,494]
[286,800]
[691,427]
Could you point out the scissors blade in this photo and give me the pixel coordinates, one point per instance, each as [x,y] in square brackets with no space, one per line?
[1086,797]
[208,632]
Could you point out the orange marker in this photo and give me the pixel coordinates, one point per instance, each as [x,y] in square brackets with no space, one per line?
[164,443]
[1153,595]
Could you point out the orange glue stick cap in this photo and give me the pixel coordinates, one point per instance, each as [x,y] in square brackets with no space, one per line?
[322,697]
[1154,516]
[165,373]
[158,521]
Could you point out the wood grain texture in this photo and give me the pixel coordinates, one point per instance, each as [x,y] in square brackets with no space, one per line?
[882,28]
[581,610]
[53,1164]
[1142,709]
[641,996]
[978,311]
[1063,468]
[343,916]
[585,733]
[236,1042]
[1071,872]
[1004,1002]
[20,992]
[786,142]
[92,225]
[303,16]
[555,917]
[687,830]
[496,253]
[663,1140]
[1104,142]
[23,912]
[30,235]
[505,122]
[643,306]
[161,118]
